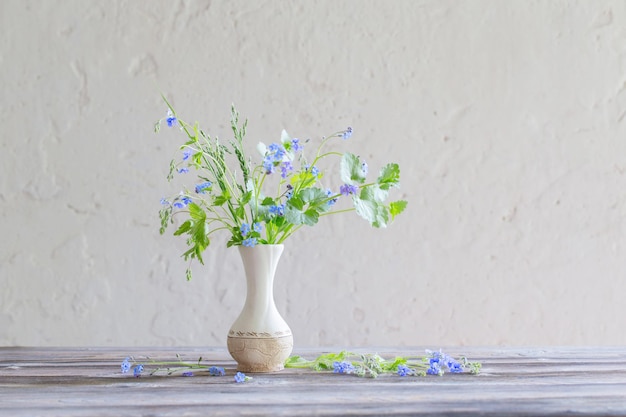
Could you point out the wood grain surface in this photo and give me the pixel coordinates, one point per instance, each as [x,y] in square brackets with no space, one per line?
[513,382]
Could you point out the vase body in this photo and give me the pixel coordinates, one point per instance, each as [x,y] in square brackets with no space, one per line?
[260,340]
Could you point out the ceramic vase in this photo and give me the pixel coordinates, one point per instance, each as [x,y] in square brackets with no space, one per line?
[260,340]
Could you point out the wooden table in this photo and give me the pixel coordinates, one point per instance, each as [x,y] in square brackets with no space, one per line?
[513,381]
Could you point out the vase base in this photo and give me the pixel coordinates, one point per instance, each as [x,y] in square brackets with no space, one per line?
[260,354]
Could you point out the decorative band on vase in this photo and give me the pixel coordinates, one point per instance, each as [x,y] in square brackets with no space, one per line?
[259,335]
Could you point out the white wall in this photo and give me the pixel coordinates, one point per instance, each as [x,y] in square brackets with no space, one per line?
[507,118]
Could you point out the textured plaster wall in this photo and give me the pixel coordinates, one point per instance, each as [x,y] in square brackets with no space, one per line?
[507,118]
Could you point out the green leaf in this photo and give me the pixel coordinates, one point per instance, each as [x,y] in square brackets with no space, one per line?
[397,207]
[184,228]
[352,169]
[371,210]
[219,200]
[389,176]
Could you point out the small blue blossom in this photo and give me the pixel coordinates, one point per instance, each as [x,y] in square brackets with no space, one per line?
[332,201]
[343,368]
[138,370]
[277,210]
[187,154]
[165,202]
[257,227]
[125,366]
[346,133]
[295,145]
[182,202]
[404,370]
[249,242]
[171,119]
[183,170]
[348,189]
[202,188]
[188,373]
[315,171]
[216,371]
[434,368]
[240,377]
[285,168]
[245,229]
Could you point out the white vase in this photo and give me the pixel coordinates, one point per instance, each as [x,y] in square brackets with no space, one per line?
[260,340]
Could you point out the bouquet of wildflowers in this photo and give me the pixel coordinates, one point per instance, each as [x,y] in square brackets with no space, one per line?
[266,199]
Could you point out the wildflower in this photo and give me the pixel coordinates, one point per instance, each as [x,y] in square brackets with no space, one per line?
[138,370]
[332,200]
[201,188]
[182,202]
[434,368]
[257,227]
[165,202]
[216,371]
[171,119]
[343,368]
[183,170]
[277,210]
[295,145]
[240,377]
[348,189]
[285,168]
[187,374]
[125,366]
[404,371]
[245,229]
[346,133]
[187,154]
[249,242]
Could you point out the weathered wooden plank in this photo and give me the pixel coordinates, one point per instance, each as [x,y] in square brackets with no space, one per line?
[529,381]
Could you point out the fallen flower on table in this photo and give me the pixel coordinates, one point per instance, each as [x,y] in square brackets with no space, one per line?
[372,365]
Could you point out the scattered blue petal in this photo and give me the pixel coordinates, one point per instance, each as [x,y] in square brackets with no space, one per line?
[216,371]
[138,370]
[187,373]
[125,366]
[240,377]
[183,170]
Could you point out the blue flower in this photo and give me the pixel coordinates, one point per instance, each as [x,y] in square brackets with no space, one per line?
[165,202]
[285,168]
[182,202]
[277,210]
[404,371]
[295,145]
[187,154]
[138,370]
[315,172]
[171,119]
[257,227]
[328,194]
[346,133]
[240,377]
[249,242]
[125,366]
[348,189]
[183,170]
[188,373]
[216,371]
[434,368]
[202,188]
[245,229]
[343,368]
